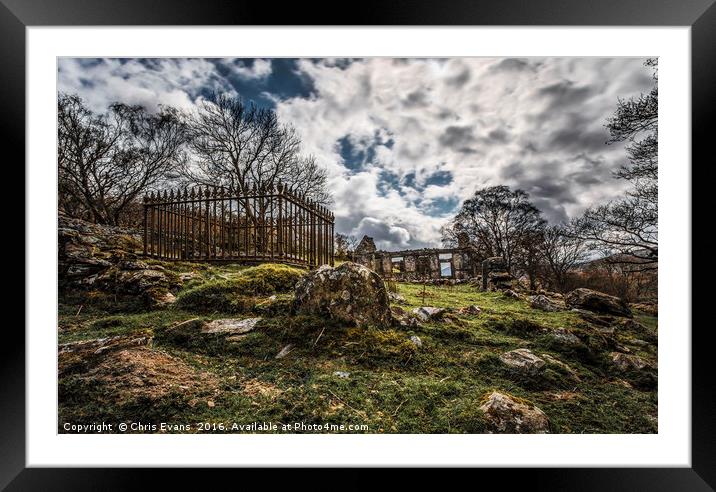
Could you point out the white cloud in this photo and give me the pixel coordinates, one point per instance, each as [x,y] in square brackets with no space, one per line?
[535,124]
[258,70]
[170,81]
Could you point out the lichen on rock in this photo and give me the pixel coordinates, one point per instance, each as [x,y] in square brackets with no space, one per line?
[351,293]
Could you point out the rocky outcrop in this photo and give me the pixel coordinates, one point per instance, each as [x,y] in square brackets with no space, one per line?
[351,293]
[522,361]
[509,415]
[106,258]
[597,302]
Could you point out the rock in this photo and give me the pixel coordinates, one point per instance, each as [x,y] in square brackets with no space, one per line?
[598,302]
[590,317]
[625,363]
[427,313]
[565,337]
[284,351]
[396,298]
[471,310]
[639,342]
[342,374]
[351,293]
[523,361]
[105,258]
[415,340]
[165,299]
[99,345]
[650,308]
[544,303]
[508,415]
[631,325]
[511,294]
[230,326]
[187,276]
[640,373]
[402,318]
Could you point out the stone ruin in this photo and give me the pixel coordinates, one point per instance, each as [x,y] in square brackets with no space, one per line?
[433,264]
[495,275]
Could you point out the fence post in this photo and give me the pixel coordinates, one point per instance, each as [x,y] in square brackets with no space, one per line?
[146,200]
[208,232]
[279,221]
[312,234]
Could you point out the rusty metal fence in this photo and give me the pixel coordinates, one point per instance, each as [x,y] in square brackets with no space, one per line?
[275,224]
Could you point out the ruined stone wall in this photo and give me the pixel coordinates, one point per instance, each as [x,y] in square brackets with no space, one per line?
[419,264]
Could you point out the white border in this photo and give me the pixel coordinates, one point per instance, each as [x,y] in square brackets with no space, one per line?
[671,446]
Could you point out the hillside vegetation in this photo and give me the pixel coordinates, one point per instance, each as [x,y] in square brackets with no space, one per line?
[427,377]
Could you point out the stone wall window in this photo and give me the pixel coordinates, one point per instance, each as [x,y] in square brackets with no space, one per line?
[423,265]
[445,268]
[398,264]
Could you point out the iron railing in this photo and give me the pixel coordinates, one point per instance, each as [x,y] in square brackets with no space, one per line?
[274,224]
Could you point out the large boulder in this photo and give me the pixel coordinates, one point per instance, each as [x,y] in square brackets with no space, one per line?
[351,293]
[597,302]
[509,415]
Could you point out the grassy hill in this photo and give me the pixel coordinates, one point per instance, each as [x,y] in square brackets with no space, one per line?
[376,378]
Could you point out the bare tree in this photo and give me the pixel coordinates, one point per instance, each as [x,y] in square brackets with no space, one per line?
[345,244]
[106,162]
[562,251]
[528,259]
[498,221]
[240,146]
[627,229]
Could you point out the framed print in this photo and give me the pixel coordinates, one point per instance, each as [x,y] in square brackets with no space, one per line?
[429,238]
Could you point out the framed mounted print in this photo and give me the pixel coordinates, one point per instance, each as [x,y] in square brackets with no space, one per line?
[427,239]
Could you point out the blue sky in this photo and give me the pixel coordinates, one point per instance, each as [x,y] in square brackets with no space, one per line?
[405,141]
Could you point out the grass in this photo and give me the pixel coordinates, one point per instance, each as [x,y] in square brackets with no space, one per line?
[391,387]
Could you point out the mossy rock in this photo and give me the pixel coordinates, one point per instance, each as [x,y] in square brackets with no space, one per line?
[238,294]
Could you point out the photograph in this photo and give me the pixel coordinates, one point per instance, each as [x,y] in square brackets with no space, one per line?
[378,245]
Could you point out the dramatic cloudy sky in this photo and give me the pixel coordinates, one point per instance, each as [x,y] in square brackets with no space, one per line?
[405,141]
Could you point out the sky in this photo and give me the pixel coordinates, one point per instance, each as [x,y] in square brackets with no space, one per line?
[406,141]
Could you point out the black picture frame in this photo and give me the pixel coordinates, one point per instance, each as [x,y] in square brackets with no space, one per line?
[16,15]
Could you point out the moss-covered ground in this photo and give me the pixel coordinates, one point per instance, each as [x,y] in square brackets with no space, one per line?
[375,378]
